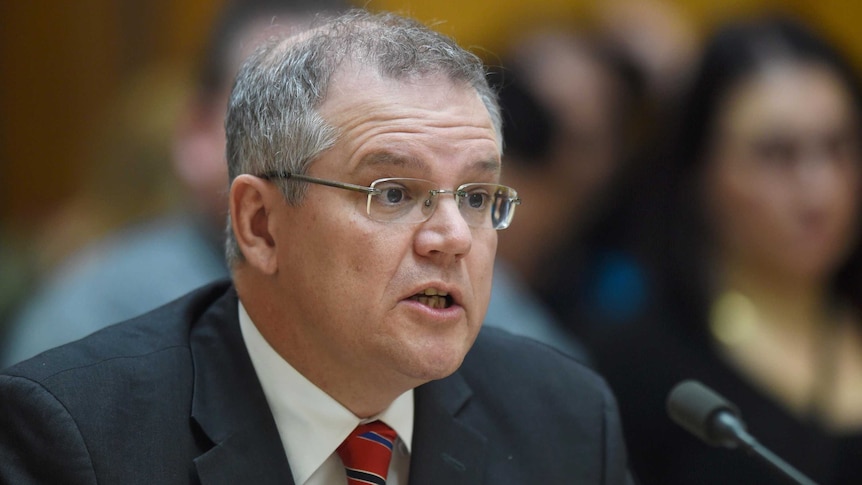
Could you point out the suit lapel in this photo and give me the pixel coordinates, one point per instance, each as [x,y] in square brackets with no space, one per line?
[229,406]
[446,450]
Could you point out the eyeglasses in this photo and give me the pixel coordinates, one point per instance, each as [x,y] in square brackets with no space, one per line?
[409,200]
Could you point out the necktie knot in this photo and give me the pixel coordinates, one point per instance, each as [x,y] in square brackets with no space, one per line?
[366,453]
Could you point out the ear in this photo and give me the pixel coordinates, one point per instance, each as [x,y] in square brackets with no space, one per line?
[252,203]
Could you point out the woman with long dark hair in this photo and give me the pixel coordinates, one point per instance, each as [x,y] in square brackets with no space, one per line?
[758,249]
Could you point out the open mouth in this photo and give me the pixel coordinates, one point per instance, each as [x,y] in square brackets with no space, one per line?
[433,298]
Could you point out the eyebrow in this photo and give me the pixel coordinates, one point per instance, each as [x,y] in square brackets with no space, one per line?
[384,158]
[379,158]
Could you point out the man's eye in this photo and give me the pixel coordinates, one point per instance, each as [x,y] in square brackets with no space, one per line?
[394,195]
[477,200]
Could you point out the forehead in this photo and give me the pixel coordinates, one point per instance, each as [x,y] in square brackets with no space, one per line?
[786,94]
[407,121]
[354,84]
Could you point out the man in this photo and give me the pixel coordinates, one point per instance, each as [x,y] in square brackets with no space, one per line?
[364,157]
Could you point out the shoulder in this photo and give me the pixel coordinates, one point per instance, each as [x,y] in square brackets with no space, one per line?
[520,395]
[531,371]
[119,277]
[164,244]
[83,399]
[150,337]
[497,350]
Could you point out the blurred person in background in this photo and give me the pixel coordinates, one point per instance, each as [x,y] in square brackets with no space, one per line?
[602,278]
[568,103]
[130,178]
[150,263]
[758,241]
[17,276]
[657,37]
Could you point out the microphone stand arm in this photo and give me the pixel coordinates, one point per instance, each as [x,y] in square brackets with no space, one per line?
[733,434]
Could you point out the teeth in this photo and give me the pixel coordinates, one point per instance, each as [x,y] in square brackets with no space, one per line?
[434,301]
[433,298]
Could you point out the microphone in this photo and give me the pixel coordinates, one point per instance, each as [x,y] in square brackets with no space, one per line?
[707,415]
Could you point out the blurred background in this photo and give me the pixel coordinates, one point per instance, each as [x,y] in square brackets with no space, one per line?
[73,70]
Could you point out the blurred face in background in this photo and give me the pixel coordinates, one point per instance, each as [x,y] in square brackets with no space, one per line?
[564,190]
[199,145]
[782,179]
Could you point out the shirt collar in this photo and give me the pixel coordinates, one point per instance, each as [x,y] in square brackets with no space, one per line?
[302,410]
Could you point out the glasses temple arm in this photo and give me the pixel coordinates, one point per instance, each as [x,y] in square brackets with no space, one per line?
[315,180]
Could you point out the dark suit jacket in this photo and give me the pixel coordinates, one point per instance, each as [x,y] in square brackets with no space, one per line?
[172,397]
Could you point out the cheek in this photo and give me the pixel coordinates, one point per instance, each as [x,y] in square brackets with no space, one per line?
[370,257]
[481,266]
[327,251]
[849,199]
[488,251]
[745,209]
[844,214]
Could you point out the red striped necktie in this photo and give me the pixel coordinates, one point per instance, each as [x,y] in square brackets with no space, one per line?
[366,453]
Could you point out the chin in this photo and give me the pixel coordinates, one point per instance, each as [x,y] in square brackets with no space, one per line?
[425,356]
[429,365]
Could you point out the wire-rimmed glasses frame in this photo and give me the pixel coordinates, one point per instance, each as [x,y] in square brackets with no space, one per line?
[411,200]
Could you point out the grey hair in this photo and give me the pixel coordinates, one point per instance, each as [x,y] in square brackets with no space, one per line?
[272,122]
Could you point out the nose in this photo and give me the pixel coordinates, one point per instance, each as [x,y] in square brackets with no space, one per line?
[445,236]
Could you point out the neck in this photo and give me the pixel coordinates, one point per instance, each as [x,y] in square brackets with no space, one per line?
[790,339]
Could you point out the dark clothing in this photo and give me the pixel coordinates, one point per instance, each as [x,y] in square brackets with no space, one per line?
[172,397]
[643,363]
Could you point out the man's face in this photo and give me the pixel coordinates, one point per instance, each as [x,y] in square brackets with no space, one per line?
[350,283]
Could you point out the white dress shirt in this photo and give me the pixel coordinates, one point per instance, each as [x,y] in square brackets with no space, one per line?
[312,424]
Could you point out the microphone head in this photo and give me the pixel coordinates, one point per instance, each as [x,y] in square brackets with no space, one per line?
[696,408]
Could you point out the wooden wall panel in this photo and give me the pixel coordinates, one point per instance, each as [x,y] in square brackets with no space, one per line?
[62,63]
